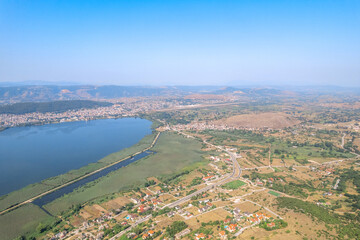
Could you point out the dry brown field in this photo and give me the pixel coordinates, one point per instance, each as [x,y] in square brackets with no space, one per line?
[166,198]
[164,221]
[94,211]
[217,214]
[116,203]
[274,120]
[205,97]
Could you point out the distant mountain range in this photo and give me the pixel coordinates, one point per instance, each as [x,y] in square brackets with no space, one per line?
[56,106]
[36,82]
[45,93]
[76,92]
[41,93]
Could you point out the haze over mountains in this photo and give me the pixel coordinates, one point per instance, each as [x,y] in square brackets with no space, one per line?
[43,93]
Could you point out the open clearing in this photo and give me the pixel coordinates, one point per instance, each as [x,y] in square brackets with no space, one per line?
[218,214]
[275,120]
[276,194]
[234,184]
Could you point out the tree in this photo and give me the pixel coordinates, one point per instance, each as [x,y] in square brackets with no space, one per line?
[41,228]
[176,227]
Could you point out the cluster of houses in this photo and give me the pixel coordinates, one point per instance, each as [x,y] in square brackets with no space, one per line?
[263,182]
[252,218]
[182,212]
[218,159]
[258,217]
[231,224]
[215,159]
[90,236]
[146,235]
[132,217]
[147,203]
[199,236]
[60,235]
[100,222]
[149,233]
[206,208]
[323,170]
[326,170]
[209,177]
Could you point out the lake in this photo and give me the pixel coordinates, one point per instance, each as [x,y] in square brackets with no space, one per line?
[32,154]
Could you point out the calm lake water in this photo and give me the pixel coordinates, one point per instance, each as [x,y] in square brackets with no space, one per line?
[31,154]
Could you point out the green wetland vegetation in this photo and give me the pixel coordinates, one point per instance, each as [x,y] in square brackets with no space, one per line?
[173,153]
[22,220]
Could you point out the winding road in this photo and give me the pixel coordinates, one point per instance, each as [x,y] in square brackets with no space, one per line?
[235,174]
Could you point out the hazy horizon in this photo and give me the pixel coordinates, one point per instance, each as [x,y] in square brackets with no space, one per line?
[157,43]
[269,86]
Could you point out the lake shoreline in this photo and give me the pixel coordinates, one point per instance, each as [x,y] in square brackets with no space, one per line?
[89,120]
[74,181]
[69,121]
[34,189]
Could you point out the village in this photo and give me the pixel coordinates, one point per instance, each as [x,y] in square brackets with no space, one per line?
[287,181]
[220,213]
[152,203]
[123,107]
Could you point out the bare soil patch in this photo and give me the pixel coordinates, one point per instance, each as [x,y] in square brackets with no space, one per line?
[204,97]
[274,120]
[116,203]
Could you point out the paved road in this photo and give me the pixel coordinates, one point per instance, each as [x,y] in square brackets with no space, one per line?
[243,229]
[235,174]
[131,227]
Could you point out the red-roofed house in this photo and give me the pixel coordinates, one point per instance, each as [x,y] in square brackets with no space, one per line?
[271,225]
[232,227]
[222,234]
[200,236]
[208,178]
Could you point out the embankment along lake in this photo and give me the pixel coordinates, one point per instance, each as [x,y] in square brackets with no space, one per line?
[32,154]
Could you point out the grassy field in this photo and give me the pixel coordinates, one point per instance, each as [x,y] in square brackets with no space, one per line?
[37,188]
[276,194]
[234,184]
[174,153]
[287,151]
[21,220]
[281,147]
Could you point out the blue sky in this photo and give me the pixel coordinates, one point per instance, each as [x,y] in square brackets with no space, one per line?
[181,42]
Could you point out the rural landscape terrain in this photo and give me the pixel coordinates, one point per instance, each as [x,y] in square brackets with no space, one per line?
[222,163]
[169,120]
